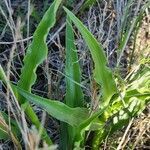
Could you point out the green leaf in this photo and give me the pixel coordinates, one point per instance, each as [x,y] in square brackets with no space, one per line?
[102,73]
[37,51]
[58,110]
[74,95]
[119,120]
[136,98]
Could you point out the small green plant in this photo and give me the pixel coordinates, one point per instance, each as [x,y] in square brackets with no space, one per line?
[117,105]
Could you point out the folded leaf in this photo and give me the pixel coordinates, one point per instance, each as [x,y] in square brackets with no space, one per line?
[102,73]
[74,95]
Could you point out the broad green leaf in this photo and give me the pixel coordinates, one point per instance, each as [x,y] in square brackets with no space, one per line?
[141,81]
[102,73]
[94,116]
[37,51]
[80,134]
[58,110]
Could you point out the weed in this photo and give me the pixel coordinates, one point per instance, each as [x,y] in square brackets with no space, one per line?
[117,104]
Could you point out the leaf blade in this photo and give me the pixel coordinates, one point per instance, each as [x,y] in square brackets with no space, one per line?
[60,111]
[102,73]
[38,50]
[74,94]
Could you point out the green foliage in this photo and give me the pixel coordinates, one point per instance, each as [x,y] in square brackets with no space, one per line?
[36,54]
[74,94]
[136,97]
[135,103]
[115,109]
[3,134]
[102,74]
[37,51]
[35,120]
[60,111]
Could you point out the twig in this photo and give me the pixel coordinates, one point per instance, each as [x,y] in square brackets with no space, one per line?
[124,136]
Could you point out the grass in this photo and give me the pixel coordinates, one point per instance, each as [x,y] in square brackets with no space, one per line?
[116,101]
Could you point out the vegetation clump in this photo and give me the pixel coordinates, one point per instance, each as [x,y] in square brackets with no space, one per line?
[84,121]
